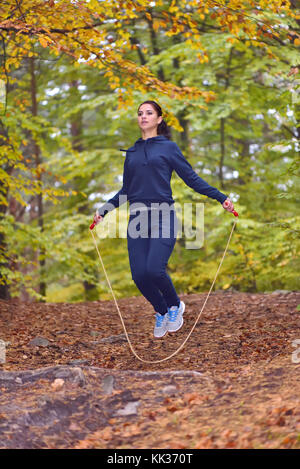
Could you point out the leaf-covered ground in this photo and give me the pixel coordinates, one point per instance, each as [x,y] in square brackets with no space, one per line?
[235,384]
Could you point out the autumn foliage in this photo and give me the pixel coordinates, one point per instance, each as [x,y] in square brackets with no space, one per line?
[210,63]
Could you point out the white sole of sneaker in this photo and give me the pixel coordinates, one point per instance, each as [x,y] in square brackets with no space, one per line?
[182,304]
[159,336]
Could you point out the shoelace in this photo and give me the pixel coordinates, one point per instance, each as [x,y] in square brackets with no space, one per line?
[159,320]
[173,314]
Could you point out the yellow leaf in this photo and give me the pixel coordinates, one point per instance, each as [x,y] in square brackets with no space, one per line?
[43,41]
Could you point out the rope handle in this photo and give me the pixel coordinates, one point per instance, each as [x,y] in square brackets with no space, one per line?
[199,315]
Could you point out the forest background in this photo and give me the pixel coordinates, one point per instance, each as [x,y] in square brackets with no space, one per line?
[226,74]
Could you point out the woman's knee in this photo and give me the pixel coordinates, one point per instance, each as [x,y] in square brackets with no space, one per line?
[155,273]
[139,276]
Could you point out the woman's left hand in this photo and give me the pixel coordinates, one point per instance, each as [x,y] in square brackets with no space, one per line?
[228,205]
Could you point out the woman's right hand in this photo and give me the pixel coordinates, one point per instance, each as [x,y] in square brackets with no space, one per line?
[228,205]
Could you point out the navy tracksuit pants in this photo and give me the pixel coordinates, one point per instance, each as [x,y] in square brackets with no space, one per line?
[151,237]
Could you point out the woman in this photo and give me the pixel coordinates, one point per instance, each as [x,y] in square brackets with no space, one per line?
[148,168]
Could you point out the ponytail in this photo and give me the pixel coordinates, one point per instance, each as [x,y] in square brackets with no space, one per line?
[162,128]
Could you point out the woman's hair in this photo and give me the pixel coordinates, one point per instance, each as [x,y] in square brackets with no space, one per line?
[162,128]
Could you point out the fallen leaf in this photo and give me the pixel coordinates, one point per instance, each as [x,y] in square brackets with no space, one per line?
[57,384]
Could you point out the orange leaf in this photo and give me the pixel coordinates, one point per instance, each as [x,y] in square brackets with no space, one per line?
[43,41]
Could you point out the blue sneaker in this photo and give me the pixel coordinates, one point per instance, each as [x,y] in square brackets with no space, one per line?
[161,325]
[175,317]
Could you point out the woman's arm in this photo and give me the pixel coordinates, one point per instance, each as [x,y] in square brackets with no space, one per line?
[115,201]
[188,175]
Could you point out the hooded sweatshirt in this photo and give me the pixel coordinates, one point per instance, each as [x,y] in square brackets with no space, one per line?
[148,168]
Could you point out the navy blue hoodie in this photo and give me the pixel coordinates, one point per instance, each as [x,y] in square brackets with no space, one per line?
[147,174]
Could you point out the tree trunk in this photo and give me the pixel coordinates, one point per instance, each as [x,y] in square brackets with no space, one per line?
[4,288]
[4,263]
[222,146]
[222,125]
[154,44]
[37,157]
[76,132]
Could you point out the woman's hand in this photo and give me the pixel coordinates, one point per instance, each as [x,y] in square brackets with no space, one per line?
[97,218]
[228,205]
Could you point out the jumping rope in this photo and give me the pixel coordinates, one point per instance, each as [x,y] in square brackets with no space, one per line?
[121,318]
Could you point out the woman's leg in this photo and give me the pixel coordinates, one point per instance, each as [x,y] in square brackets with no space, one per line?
[138,251]
[158,257]
[159,252]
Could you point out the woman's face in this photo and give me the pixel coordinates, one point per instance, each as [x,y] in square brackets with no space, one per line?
[147,118]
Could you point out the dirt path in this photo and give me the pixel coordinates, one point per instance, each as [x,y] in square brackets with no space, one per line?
[234,385]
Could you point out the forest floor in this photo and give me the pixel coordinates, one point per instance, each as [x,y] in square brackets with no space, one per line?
[69,379]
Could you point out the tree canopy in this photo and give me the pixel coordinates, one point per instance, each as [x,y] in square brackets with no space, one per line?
[72,75]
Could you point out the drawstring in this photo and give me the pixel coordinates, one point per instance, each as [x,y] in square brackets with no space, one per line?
[191,331]
[134,149]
